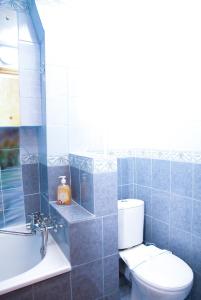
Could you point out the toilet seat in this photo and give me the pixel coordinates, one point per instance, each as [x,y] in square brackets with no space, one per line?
[165,272]
[157,268]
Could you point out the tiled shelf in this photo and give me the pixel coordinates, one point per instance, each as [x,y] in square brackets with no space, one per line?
[72,213]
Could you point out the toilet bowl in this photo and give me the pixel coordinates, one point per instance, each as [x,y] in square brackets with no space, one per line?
[155,274]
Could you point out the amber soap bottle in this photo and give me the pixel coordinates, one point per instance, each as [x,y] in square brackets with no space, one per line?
[63,192]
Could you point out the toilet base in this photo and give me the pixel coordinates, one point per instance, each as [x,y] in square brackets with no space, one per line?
[141,291]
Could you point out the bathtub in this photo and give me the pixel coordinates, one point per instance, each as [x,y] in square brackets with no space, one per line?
[21,263]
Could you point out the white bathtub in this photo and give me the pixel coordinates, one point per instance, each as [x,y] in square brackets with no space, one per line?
[21,263]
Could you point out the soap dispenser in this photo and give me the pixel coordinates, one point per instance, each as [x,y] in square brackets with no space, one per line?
[63,192]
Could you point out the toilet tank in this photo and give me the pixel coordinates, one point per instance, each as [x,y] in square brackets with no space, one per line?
[130,223]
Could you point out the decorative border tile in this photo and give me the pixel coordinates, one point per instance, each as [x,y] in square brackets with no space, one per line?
[29,158]
[104,165]
[58,160]
[181,156]
[143,153]
[196,157]
[161,154]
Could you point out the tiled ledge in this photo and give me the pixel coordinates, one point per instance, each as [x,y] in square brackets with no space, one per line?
[72,213]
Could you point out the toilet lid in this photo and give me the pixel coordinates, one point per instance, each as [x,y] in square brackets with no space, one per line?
[165,272]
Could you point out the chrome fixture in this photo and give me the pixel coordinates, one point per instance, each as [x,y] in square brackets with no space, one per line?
[39,223]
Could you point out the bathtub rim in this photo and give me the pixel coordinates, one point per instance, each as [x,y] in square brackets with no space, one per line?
[53,264]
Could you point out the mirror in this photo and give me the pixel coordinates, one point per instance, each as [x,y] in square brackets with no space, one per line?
[9,74]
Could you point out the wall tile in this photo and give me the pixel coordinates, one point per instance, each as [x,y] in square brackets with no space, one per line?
[181,212]
[43,179]
[11,178]
[105,193]
[110,235]
[54,288]
[89,241]
[32,204]
[147,229]
[44,206]
[13,198]
[144,193]
[62,234]
[160,205]
[127,170]
[30,176]
[180,244]
[14,216]
[160,234]
[87,281]
[143,171]
[86,191]
[196,257]
[53,179]
[1,219]
[111,274]
[75,184]
[181,178]
[196,222]
[161,175]
[197,181]
[127,191]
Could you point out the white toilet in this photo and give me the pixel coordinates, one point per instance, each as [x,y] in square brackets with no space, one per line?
[155,274]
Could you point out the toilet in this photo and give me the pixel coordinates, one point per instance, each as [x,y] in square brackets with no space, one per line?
[155,274]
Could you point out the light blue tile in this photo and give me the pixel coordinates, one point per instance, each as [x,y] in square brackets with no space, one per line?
[11,178]
[110,235]
[1,219]
[87,281]
[86,191]
[196,257]
[197,181]
[196,222]
[14,216]
[61,236]
[144,193]
[75,184]
[181,178]
[127,170]
[86,236]
[180,244]
[143,171]
[111,274]
[161,175]
[105,193]
[13,198]
[181,212]
[160,205]
[147,229]
[160,234]
[119,194]
[127,191]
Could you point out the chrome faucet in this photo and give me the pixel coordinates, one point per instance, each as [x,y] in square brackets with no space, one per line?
[40,224]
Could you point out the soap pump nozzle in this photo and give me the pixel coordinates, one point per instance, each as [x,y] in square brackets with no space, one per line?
[63,179]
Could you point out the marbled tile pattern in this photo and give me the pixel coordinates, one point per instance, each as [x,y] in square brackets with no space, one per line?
[171,190]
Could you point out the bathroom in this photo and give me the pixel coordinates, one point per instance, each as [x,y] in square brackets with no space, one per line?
[107,94]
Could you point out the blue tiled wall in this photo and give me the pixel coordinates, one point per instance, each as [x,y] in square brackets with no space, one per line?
[171,191]
[19,183]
